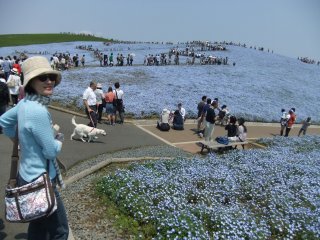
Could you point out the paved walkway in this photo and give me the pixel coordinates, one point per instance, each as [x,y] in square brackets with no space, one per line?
[132,134]
[188,138]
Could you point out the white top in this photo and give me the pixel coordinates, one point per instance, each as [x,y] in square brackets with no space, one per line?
[17,82]
[55,59]
[242,135]
[90,96]
[119,94]
[182,112]
[99,95]
[164,118]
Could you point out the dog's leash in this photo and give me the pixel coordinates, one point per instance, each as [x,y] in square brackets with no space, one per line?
[91,122]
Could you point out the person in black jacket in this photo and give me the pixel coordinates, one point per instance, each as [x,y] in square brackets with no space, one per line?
[178,121]
[211,118]
[4,99]
[232,127]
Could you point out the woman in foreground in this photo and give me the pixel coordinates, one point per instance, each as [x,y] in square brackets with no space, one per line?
[37,141]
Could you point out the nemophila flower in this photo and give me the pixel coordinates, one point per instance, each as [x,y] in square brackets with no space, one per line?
[254,194]
[278,83]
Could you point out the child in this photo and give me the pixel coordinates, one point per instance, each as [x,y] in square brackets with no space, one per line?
[305,124]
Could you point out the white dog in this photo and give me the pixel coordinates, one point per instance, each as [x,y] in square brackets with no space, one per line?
[85,131]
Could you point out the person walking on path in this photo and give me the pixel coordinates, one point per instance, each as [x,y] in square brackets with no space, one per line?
[83,60]
[305,124]
[202,118]
[90,102]
[4,99]
[291,121]
[100,98]
[210,121]
[6,67]
[110,109]
[119,101]
[200,110]
[38,143]
[14,84]
[283,121]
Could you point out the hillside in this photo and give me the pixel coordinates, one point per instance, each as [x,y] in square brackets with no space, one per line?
[27,39]
[256,88]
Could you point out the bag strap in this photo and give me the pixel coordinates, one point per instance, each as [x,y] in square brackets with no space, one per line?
[14,157]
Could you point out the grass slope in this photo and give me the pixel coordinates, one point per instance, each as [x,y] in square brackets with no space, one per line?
[27,39]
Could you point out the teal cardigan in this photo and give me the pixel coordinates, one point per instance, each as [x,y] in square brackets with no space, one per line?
[36,136]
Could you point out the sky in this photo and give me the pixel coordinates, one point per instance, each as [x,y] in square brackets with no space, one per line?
[288,27]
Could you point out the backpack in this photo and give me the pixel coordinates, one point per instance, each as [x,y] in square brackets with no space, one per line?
[222,140]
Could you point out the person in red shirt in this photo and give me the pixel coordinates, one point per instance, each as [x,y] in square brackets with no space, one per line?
[290,122]
[17,66]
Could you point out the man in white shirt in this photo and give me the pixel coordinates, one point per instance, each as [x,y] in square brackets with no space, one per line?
[90,103]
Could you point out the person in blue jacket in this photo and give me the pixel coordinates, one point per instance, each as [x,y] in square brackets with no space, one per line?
[39,144]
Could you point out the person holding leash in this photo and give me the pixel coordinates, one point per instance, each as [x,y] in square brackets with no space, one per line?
[39,144]
[90,102]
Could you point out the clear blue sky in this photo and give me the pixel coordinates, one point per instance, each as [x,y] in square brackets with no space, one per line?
[288,27]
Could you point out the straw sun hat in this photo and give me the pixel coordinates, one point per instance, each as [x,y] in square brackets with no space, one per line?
[36,66]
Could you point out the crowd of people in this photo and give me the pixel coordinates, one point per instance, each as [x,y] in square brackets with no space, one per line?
[308,60]
[288,119]
[95,101]
[209,115]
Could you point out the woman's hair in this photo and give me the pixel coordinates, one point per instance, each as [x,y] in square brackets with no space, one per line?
[28,89]
[233,120]
[117,85]
[110,89]
[241,122]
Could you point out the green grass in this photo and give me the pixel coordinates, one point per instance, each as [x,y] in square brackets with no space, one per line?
[27,39]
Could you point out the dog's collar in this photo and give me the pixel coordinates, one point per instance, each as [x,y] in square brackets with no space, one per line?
[91,130]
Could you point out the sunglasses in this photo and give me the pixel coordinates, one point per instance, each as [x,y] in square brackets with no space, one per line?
[44,77]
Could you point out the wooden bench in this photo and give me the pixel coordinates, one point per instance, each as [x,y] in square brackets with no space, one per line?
[218,146]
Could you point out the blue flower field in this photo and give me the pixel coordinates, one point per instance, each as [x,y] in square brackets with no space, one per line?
[257,87]
[248,194]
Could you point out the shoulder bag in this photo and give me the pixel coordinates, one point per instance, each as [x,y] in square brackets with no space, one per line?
[31,201]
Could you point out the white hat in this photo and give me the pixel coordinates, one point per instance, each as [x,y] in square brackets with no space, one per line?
[14,71]
[36,66]
[99,85]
